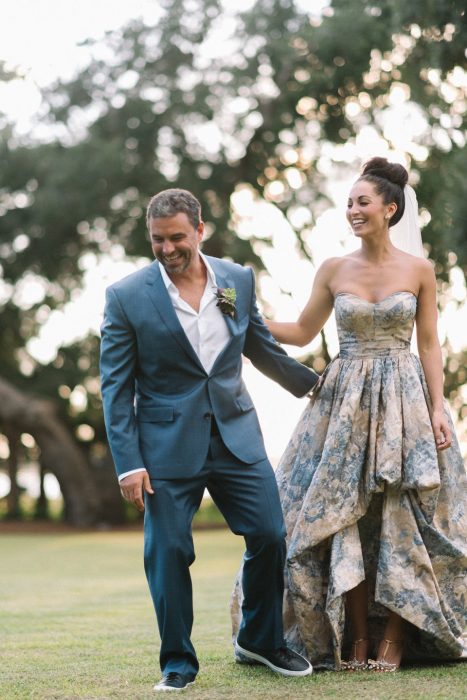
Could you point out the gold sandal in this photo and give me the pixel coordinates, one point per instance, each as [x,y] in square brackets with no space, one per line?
[382,665]
[353,664]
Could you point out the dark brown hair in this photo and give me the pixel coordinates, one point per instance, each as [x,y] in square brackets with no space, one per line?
[172,202]
[389,180]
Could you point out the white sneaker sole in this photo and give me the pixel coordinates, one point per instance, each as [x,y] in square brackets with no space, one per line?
[167,689]
[277,669]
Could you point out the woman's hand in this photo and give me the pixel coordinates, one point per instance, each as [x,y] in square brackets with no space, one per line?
[441,430]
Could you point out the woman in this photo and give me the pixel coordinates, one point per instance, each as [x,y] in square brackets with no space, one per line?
[372,482]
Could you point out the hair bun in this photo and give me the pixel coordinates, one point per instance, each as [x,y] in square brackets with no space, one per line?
[381,167]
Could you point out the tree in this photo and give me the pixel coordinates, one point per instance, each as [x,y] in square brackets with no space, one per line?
[275,112]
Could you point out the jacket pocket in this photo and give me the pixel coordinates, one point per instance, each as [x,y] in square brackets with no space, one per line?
[155,414]
[244,403]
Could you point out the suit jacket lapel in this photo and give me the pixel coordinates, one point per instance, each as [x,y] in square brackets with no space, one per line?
[160,298]
[223,282]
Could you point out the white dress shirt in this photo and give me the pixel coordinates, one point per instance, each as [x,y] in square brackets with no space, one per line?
[206,329]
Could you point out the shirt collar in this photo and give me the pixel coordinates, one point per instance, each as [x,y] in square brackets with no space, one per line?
[211,276]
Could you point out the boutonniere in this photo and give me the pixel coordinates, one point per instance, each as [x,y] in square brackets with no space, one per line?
[226,299]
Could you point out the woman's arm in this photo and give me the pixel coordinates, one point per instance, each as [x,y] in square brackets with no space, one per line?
[314,315]
[430,354]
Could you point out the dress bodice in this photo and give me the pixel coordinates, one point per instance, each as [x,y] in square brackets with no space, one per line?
[374,328]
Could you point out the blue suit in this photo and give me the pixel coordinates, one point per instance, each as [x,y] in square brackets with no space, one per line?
[192,429]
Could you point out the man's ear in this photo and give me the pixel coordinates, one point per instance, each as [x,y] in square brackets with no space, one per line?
[200,231]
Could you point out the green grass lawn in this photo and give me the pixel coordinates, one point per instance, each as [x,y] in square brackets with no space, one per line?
[77,622]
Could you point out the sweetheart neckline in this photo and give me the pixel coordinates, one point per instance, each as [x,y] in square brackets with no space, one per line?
[374,303]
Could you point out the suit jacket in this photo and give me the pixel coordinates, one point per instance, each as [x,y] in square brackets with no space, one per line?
[158,399]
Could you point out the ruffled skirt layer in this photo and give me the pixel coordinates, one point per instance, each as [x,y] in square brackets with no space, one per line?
[366,495]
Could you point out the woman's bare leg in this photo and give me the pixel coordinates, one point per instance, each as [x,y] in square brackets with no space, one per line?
[357,608]
[394,632]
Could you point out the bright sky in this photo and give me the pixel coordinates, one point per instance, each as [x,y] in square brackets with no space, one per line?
[41,36]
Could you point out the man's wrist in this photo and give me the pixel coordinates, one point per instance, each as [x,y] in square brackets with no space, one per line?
[131,471]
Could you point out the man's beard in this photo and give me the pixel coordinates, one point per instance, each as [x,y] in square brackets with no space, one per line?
[180,264]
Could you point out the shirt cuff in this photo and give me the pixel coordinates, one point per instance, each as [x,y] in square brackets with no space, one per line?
[131,471]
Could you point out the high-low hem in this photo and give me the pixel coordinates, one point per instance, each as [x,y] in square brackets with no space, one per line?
[366,495]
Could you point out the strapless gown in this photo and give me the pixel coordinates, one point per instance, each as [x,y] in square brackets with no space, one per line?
[366,495]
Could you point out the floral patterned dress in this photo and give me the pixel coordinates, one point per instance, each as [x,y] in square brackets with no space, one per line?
[366,495]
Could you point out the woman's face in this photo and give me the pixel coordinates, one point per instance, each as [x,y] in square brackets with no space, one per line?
[366,211]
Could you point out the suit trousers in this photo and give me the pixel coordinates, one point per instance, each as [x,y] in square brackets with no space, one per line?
[247,496]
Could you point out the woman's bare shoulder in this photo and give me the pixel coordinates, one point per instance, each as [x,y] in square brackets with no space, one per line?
[422,263]
[422,266]
[327,270]
[331,265]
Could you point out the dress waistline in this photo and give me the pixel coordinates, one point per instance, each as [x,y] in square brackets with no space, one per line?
[373,349]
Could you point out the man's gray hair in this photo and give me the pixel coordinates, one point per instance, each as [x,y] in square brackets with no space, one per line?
[172,202]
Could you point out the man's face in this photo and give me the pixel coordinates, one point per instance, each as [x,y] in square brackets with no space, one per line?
[175,242]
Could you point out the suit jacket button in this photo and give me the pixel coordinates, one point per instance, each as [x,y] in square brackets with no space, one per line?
[207,416]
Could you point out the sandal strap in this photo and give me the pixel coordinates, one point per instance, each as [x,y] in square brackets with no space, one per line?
[393,641]
[382,664]
[356,642]
[353,664]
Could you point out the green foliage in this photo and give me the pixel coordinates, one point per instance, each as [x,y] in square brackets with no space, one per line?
[153,109]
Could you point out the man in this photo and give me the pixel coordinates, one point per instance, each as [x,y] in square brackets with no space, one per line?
[179,420]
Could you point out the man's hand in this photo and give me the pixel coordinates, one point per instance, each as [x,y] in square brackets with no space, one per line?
[132,487]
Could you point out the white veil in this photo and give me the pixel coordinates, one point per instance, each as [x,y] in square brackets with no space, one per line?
[406,233]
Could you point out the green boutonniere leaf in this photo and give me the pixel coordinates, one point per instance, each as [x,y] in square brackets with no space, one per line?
[226,299]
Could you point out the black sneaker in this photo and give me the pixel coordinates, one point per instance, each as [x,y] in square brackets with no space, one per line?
[174,681]
[283,660]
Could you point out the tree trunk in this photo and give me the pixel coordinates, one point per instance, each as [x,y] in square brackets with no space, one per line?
[112,503]
[40,511]
[12,499]
[59,451]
